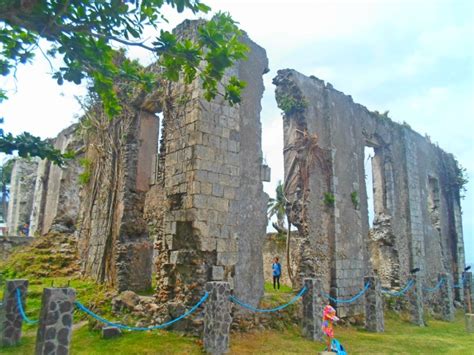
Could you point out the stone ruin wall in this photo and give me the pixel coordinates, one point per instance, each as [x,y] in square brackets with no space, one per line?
[113,239]
[199,196]
[209,179]
[417,209]
[22,186]
[56,191]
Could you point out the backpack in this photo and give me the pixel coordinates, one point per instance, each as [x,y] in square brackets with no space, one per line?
[337,347]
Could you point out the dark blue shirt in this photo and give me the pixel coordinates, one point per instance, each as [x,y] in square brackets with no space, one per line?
[276,267]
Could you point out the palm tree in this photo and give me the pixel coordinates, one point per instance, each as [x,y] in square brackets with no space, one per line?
[277,207]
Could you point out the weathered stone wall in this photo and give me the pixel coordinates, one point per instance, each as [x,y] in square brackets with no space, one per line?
[210,163]
[416,199]
[21,194]
[113,237]
[8,243]
[56,196]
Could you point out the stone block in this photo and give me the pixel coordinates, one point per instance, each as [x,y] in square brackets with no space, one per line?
[446,297]
[10,317]
[111,332]
[374,317]
[55,323]
[313,305]
[217,318]
[227,258]
[469,320]
[217,273]
[415,297]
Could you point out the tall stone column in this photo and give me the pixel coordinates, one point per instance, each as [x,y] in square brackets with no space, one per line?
[374,317]
[10,317]
[446,296]
[313,305]
[415,297]
[468,292]
[55,324]
[217,318]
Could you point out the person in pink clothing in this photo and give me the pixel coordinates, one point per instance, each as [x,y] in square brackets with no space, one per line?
[329,316]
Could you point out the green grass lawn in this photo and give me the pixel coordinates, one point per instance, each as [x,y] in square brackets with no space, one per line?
[400,337]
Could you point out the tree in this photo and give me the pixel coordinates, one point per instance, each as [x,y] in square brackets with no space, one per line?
[277,207]
[84,33]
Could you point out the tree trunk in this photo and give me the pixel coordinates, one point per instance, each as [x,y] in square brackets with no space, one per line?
[288,254]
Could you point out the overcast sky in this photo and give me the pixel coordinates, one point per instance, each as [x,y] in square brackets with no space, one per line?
[414,58]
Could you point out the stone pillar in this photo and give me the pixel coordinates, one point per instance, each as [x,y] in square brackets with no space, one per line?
[374,317]
[313,305]
[415,297]
[468,292]
[55,324]
[446,297]
[217,318]
[10,317]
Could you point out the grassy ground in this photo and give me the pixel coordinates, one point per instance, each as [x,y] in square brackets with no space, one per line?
[399,338]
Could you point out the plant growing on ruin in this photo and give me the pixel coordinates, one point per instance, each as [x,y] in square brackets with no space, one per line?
[355,199]
[85,176]
[329,199]
[84,34]
[290,104]
[461,180]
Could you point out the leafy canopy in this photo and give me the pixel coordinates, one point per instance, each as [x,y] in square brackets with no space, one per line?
[84,33]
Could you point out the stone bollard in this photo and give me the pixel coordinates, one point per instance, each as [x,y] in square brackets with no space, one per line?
[374,317]
[446,297]
[468,292]
[217,318]
[10,317]
[313,305]
[55,323]
[415,296]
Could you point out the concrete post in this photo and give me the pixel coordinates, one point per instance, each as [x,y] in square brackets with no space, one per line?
[415,296]
[10,317]
[313,305]
[55,323]
[217,318]
[374,317]
[446,296]
[468,293]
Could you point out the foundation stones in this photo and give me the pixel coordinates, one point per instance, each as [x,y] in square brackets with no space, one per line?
[56,319]
[313,305]
[217,318]
[374,317]
[10,317]
[415,298]
[446,296]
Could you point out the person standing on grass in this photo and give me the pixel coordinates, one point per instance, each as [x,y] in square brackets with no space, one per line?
[276,267]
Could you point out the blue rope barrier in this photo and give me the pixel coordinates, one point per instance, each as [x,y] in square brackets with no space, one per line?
[127,327]
[350,300]
[438,285]
[20,308]
[245,305]
[409,285]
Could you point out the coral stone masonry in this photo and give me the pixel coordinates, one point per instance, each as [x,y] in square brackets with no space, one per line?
[172,186]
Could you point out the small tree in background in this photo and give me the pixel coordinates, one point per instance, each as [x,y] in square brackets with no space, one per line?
[277,208]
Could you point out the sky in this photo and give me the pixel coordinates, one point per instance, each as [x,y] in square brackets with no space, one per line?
[414,58]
